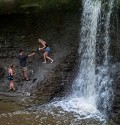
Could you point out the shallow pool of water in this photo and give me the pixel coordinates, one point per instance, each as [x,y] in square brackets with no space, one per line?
[54,113]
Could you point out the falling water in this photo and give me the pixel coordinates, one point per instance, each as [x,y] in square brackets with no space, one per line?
[89,85]
[86,79]
[92,87]
[104,82]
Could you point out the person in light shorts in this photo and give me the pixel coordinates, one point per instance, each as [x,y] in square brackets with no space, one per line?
[47,50]
[24,69]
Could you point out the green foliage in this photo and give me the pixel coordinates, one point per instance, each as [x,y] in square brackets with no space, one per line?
[38,5]
[42,3]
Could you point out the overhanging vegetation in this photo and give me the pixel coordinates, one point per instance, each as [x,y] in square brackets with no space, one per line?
[37,5]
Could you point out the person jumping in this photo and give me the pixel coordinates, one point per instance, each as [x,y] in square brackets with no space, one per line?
[46,49]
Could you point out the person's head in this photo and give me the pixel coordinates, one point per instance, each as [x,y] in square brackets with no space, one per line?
[21,51]
[12,66]
[40,40]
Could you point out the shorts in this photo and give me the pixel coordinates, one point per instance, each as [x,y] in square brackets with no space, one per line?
[48,49]
[24,69]
[10,78]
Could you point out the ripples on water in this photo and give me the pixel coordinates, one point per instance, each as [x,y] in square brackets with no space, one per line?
[65,112]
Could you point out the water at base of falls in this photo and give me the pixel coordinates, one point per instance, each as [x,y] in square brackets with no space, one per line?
[65,112]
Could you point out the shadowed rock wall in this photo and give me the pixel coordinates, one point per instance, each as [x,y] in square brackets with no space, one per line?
[22,31]
[115,64]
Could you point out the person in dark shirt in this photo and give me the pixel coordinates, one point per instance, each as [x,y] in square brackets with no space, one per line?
[23,63]
[46,50]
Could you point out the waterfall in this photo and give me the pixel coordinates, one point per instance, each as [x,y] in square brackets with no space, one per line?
[86,79]
[90,86]
[104,82]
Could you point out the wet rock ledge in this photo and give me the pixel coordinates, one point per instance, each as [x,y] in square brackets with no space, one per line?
[59,83]
[53,80]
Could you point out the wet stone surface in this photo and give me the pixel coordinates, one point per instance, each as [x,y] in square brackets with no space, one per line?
[51,79]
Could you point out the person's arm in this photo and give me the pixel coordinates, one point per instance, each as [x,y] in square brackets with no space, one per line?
[33,53]
[40,48]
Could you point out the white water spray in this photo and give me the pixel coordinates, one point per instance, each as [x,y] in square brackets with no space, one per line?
[85,82]
[104,82]
[89,88]
[86,78]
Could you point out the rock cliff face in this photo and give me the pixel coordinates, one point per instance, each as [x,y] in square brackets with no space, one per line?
[61,32]
[115,74]
[115,64]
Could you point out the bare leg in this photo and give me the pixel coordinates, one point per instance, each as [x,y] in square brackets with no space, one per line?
[25,75]
[49,58]
[12,85]
[44,57]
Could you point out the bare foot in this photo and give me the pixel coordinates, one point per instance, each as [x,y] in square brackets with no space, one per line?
[52,61]
[44,62]
[28,79]
[13,89]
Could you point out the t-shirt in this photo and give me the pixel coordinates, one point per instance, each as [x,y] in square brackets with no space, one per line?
[22,59]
